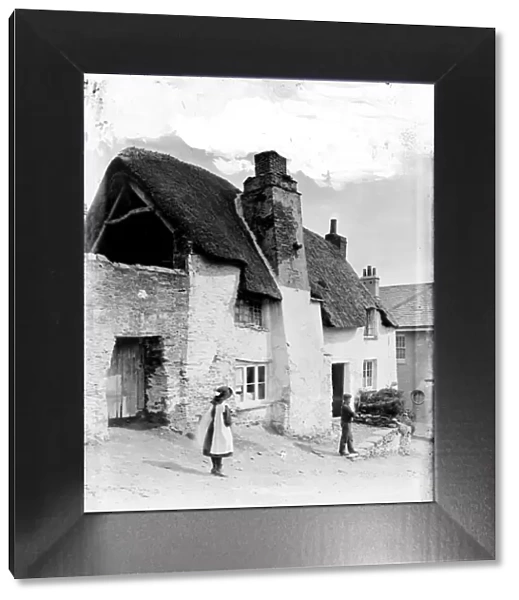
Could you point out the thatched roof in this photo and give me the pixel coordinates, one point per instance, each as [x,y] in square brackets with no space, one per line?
[412,304]
[334,281]
[198,203]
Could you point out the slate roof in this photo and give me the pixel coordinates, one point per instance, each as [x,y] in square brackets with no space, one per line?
[411,304]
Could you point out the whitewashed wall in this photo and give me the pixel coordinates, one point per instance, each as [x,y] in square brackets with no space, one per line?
[309,372]
[350,346]
[215,342]
[291,345]
[210,335]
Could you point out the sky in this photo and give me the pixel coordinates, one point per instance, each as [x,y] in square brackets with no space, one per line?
[362,153]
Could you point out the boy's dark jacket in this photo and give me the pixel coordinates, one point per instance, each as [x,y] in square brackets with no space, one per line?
[346,414]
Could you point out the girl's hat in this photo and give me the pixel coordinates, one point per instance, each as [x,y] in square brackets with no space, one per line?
[223,390]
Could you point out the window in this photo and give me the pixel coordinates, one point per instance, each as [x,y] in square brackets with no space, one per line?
[248,312]
[368,374]
[370,327]
[400,347]
[418,397]
[251,383]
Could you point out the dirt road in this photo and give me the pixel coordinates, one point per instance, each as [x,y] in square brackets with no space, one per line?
[157,469]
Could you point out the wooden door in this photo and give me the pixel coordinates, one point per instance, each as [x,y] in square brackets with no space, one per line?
[337,387]
[128,371]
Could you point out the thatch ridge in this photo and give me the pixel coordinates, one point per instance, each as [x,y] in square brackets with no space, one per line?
[334,281]
[193,200]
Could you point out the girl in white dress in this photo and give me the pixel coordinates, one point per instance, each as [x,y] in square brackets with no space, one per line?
[215,430]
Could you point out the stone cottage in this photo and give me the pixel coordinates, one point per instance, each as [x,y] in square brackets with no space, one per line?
[191,284]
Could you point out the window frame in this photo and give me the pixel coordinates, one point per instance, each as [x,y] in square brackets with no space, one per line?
[370,327]
[249,312]
[373,376]
[402,348]
[241,388]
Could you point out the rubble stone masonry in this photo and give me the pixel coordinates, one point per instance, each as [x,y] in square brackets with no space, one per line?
[131,301]
[215,342]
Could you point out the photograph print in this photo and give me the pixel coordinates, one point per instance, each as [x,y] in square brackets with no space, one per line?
[259,278]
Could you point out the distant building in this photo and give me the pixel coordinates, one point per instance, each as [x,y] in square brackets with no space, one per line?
[412,307]
[191,284]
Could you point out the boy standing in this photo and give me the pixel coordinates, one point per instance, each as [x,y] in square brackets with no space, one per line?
[347,414]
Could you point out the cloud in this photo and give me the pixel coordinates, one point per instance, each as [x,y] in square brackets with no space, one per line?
[233,166]
[333,132]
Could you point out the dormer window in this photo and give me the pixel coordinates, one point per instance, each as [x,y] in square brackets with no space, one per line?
[370,329]
[248,311]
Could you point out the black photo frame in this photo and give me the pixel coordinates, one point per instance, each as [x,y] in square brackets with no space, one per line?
[49,534]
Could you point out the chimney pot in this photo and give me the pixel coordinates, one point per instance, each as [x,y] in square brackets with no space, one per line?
[370,280]
[333,226]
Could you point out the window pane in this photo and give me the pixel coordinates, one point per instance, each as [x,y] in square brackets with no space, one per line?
[248,312]
[367,373]
[261,374]
[238,383]
[261,391]
[250,391]
[250,375]
[258,315]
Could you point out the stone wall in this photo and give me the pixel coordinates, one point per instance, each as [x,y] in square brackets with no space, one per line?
[156,377]
[132,301]
[190,317]
[210,357]
[277,417]
[250,416]
[291,345]
[381,443]
[271,205]
[216,344]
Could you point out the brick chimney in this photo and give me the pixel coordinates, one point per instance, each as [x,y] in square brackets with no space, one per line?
[370,280]
[339,241]
[272,208]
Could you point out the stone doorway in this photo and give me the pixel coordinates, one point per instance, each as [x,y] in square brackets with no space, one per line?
[136,383]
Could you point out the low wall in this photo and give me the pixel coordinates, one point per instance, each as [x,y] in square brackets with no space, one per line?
[384,443]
